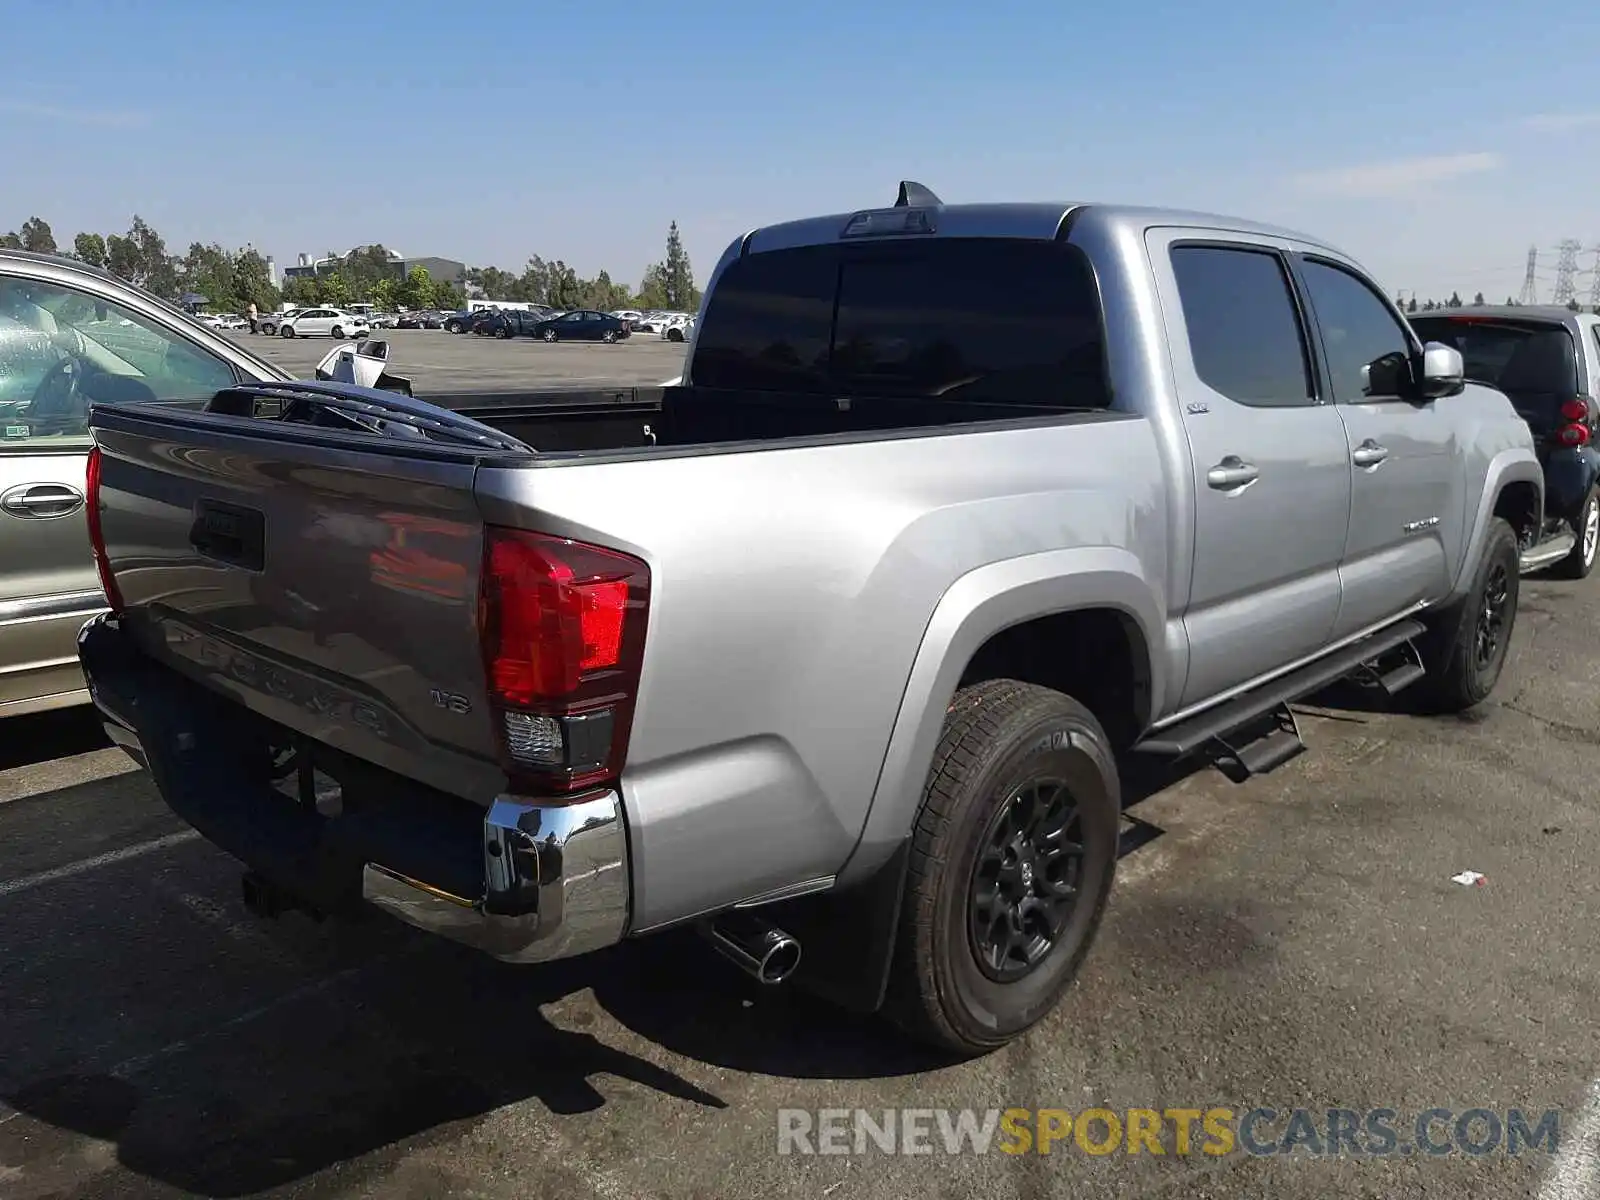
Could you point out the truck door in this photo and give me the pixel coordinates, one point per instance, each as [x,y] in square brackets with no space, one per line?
[1271,473]
[1407,502]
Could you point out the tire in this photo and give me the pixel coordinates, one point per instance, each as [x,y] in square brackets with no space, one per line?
[504,334]
[674,335]
[1458,676]
[1001,739]
[286,331]
[609,337]
[338,333]
[1580,562]
[550,335]
[452,327]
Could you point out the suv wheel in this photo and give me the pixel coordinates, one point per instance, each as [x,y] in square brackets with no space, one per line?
[1465,650]
[1012,860]
[1580,562]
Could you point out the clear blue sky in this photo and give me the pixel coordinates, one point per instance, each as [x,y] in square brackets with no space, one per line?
[1418,135]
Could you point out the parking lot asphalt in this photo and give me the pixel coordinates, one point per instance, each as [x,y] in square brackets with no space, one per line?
[1296,941]
[437,361]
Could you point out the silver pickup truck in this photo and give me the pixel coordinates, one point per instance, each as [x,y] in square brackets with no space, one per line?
[839,642]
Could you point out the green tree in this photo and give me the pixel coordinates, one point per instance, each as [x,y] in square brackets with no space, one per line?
[1411,306]
[253,282]
[158,272]
[1454,301]
[566,289]
[417,289]
[653,288]
[494,283]
[303,290]
[208,271]
[681,292]
[91,248]
[336,290]
[603,294]
[1574,305]
[383,294]
[11,241]
[1510,301]
[37,236]
[1478,301]
[533,285]
[364,267]
[122,257]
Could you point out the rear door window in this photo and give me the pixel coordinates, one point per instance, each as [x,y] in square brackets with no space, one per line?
[1245,336]
[975,320]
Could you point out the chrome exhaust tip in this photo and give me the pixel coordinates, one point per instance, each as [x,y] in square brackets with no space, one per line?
[757,947]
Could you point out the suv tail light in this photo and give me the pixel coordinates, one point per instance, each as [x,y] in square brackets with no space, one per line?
[97,540]
[563,626]
[1578,419]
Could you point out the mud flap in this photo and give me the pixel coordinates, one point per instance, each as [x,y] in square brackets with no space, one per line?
[847,937]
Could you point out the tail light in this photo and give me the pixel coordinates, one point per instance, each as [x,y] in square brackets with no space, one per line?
[97,539]
[1578,426]
[563,627]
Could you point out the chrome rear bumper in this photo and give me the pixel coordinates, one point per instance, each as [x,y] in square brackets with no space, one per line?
[555,883]
[554,879]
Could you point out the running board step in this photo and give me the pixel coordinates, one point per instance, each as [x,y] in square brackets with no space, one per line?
[1257,750]
[1548,552]
[1214,723]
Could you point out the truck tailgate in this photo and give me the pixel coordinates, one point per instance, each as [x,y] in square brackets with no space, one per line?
[328,587]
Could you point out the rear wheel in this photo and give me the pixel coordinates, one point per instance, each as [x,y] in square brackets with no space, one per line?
[1465,650]
[338,333]
[674,335]
[1012,861]
[1580,562]
[550,335]
[609,336]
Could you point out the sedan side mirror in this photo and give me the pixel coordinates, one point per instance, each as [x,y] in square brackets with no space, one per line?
[1443,371]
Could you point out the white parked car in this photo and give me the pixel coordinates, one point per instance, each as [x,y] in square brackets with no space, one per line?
[269,322]
[652,322]
[324,322]
[677,327]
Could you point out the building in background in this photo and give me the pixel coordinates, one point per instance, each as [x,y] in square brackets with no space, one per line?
[446,270]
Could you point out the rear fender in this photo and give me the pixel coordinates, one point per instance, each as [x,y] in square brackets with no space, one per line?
[977,606]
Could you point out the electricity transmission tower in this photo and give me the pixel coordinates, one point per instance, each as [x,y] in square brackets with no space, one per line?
[1566,270]
[1530,287]
[1594,283]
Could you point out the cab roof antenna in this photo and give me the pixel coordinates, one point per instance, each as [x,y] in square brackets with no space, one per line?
[915,194]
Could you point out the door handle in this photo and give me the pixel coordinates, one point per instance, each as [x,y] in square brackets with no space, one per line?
[1232,472]
[36,501]
[1369,454]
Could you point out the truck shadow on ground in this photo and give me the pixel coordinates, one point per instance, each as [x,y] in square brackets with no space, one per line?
[50,735]
[224,1057]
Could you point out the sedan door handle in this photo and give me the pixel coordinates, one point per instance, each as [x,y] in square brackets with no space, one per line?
[1369,454]
[37,501]
[1232,472]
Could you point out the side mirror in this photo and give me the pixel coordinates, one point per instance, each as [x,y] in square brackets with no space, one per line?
[1443,371]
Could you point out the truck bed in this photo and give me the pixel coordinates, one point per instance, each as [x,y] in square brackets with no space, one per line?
[563,421]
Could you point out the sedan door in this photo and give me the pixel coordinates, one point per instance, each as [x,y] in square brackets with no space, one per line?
[315,323]
[66,349]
